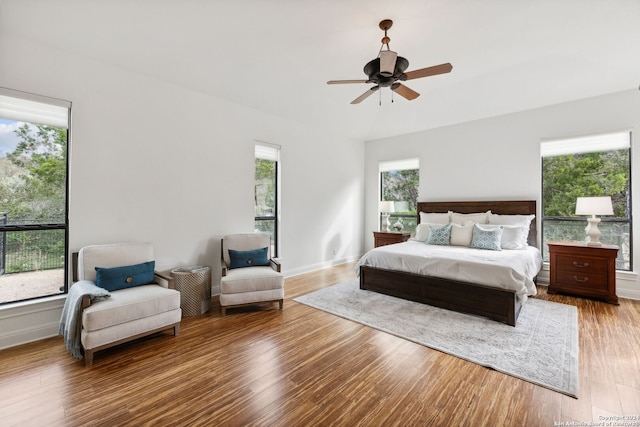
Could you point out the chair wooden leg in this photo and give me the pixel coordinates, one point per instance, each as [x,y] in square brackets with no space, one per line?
[281,303]
[176,329]
[88,357]
[223,310]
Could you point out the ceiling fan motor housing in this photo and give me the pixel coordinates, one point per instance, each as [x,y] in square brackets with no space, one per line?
[372,69]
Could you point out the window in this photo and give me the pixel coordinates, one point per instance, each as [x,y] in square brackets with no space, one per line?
[594,165]
[34,137]
[399,183]
[267,183]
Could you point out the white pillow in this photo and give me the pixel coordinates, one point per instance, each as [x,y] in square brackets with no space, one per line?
[422,232]
[519,220]
[434,218]
[461,235]
[513,236]
[478,218]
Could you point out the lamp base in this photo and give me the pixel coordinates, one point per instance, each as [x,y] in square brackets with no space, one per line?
[593,232]
[385,222]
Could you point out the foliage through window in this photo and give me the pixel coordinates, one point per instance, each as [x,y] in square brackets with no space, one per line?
[266,192]
[590,166]
[33,196]
[399,183]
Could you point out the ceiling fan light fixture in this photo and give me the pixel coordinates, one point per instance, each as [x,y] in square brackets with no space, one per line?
[388,70]
[387,62]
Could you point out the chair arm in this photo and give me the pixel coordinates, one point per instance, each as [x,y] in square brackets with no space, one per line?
[275,264]
[222,263]
[86,301]
[164,280]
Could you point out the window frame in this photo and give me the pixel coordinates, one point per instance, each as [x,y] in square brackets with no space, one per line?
[23,114]
[397,165]
[563,147]
[268,151]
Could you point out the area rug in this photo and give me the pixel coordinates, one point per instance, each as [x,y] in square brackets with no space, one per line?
[542,348]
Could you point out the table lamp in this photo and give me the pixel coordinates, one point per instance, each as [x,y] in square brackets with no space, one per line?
[385,207]
[593,206]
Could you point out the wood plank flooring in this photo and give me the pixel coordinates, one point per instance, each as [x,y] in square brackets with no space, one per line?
[304,367]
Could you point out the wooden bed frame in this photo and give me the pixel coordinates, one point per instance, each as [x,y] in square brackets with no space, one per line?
[496,304]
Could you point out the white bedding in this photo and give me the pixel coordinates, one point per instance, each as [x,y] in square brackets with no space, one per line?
[506,269]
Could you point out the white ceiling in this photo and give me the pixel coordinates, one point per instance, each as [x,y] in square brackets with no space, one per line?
[277,55]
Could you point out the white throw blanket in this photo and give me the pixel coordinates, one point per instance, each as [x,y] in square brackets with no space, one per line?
[71,319]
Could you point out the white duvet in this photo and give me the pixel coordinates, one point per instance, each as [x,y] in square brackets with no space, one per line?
[506,269]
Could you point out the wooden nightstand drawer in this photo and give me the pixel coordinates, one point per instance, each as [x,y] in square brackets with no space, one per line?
[581,279]
[582,264]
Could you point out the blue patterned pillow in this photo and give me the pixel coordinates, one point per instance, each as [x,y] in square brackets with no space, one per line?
[439,235]
[484,238]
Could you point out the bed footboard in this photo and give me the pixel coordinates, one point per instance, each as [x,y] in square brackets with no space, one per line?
[496,304]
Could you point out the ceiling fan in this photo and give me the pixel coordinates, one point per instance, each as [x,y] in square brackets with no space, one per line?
[388,69]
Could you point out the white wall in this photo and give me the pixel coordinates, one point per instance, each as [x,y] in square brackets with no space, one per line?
[499,158]
[154,162]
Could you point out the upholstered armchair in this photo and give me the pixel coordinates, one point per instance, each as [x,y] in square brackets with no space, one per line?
[134,310]
[249,274]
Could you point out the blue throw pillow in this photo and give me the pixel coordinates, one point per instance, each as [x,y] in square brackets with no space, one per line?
[252,258]
[484,238]
[124,277]
[439,235]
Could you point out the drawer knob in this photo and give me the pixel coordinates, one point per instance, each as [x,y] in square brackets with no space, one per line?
[584,265]
[580,280]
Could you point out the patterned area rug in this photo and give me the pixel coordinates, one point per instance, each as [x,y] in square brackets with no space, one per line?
[542,348]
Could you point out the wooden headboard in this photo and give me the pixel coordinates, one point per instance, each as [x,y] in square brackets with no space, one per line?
[502,207]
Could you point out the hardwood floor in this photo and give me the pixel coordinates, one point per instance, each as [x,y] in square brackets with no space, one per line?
[304,367]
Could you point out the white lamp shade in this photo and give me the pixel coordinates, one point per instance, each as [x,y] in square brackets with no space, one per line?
[387,62]
[594,206]
[386,206]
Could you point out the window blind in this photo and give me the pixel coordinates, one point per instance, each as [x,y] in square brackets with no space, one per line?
[586,144]
[26,107]
[399,165]
[267,151]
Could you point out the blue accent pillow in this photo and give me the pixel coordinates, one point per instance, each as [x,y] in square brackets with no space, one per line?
[124,277]
[484,238]
[252,258]
[439,235]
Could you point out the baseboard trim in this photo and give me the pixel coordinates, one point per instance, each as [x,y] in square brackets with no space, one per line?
[319,266]
[27,335]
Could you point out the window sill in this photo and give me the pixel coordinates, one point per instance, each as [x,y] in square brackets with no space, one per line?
[33,305]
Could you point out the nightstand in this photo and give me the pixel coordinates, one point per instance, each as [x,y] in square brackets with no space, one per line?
[382,238]
[581,270]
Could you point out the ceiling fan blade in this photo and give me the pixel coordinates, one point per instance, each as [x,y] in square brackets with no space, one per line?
[429,71]
[365,95]
[342,82]
[404,91]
